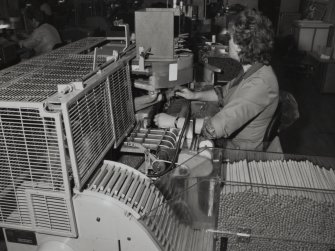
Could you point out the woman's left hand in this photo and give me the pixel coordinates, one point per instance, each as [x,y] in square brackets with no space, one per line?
[163,120]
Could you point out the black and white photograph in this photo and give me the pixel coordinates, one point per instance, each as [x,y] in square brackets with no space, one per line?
[167,125]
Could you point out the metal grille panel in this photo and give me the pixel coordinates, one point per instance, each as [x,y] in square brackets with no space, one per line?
[92,129]
[41,84]
[50,212]
[8,94]
[30,159]
[76,66]
[122,103]
[78,46]
[62,64]
[8,76]
[98,118]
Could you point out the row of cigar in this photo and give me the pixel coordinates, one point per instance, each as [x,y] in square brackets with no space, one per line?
[173,235]
[261,244]
[279,216]
[287,177]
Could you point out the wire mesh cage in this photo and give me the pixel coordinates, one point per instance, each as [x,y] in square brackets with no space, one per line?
[34,64]
[48,138]
[42,83]
[33,159]
[108,101]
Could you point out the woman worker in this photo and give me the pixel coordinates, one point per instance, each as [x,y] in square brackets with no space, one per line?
[248,102]
[44,37]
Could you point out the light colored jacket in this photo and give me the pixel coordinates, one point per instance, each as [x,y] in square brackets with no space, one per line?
[42,39]
[247,109]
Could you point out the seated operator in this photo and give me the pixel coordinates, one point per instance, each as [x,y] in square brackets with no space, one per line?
[44,37]
[248,102]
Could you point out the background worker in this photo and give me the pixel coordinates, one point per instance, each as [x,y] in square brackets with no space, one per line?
[44,36]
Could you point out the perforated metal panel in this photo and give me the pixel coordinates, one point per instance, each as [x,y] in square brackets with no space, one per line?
[74,66]
[122,103]
[78,46]
[42,83]
[91,130]
[33,64]
[49,212]
[102,115]
[32,157]
[64,65]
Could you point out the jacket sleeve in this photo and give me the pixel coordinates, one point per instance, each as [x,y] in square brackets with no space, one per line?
[253,97]
[32,41]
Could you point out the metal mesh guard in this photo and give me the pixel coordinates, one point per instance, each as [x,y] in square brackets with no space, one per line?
[42,83]
[101,116]
[36,79]
[50,212]
[91,126]
[97,118]
[30,159]
[122,103]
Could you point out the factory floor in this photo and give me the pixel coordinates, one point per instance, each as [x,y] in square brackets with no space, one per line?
[314,132]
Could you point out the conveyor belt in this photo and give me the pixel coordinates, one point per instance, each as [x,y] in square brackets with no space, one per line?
[142,198]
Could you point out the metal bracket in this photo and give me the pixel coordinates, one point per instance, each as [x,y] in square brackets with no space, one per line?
[114,57]
[64,89]
[149,158]
[143,53]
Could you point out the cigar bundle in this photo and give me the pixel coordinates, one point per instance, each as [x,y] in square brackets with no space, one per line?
[285,204]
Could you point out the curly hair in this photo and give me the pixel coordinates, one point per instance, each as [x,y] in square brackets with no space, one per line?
[32,12]
[253,33]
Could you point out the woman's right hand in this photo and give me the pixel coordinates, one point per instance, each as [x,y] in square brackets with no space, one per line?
[186,93]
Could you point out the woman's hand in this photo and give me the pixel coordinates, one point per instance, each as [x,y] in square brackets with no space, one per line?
[163,120]
[186,93]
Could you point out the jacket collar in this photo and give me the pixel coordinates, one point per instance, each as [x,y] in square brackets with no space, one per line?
[244,75]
